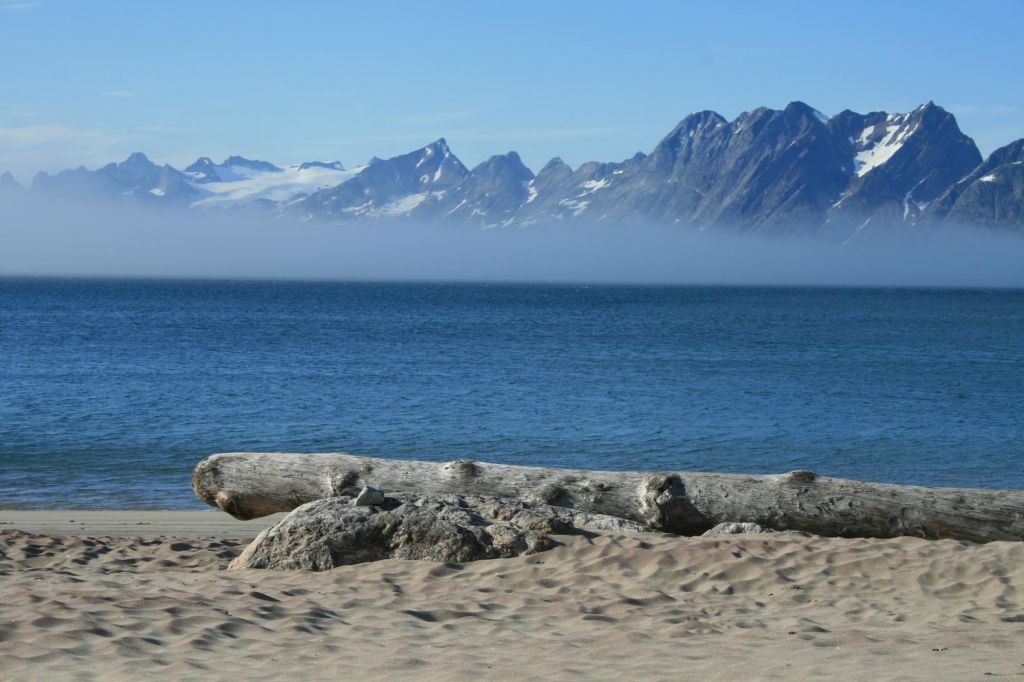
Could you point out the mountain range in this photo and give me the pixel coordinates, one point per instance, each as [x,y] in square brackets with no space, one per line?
[788,171]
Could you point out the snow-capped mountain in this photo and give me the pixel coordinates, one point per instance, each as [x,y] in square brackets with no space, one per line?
[490,195]
[992,194]
[135,178]
[784,171]
[241,182]
[902,163]
[769,170]
[388,188]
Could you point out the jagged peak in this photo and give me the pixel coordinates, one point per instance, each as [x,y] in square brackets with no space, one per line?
[203,165]
[254,164]
[509,161]
[698,120]
[933,117]
[804,110]
[7,180]
[753,119]
[39,180]
[438,145]
[1007,154]
[508,157]
[754,113]
[504,159]
[554,165]
[438,148]
[137,159]
[930,110]
[1011,153]
[589,168]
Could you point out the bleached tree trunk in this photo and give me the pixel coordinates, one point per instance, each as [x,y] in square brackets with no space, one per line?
[248,485]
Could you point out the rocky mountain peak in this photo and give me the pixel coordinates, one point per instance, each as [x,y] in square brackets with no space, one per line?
[802,110]
[508,162]
[777,171]
[204,170]
[1011,153]
[136,160]
[438,147]
[554,166]
[7,181]
[252,164]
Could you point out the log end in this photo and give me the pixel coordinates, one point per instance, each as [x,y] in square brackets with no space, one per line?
[206,482]
[202,483]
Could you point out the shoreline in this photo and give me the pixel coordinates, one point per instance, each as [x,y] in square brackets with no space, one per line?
[129,523]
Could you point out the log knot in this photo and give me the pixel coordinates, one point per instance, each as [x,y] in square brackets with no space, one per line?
[339,482]
[664,504]
[226,502]
[554,494]
[800,477]
[462,468]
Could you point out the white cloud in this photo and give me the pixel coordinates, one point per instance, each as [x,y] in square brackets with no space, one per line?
[17,6]
[119,93]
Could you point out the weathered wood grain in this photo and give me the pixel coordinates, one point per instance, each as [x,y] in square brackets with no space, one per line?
[248,485]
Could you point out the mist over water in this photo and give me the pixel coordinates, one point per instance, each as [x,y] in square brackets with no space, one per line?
[125,384]
[59,238]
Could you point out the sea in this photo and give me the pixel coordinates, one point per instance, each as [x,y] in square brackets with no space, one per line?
[112,390]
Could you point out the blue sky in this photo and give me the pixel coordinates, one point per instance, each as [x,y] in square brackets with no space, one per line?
[89,82]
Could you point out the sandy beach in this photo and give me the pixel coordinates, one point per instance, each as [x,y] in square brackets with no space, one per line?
[129,595]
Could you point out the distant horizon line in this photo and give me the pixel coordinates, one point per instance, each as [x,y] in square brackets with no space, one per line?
[231,279]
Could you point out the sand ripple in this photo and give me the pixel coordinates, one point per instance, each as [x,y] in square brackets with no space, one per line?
[603,607]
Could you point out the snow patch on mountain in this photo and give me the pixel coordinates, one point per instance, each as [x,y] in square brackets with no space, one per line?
[531,190]
[591,186]
[402,206]
[241,185]
[575,205]
[877,144]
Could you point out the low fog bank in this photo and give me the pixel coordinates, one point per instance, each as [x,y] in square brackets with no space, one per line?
[126,242]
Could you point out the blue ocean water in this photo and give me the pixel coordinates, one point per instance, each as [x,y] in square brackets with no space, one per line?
[112,390]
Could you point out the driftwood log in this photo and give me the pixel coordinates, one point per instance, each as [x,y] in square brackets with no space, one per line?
[248,485]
